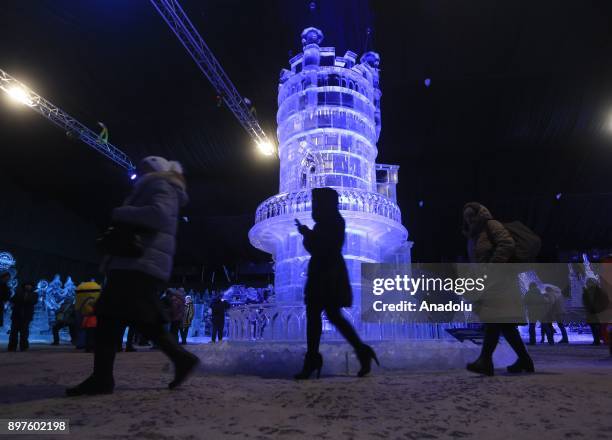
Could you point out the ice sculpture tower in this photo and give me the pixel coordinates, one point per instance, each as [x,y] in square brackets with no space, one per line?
[328,125]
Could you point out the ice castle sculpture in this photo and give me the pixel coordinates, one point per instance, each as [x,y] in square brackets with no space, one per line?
[328,126]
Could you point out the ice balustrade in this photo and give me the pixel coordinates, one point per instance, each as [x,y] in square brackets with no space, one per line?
[356,201]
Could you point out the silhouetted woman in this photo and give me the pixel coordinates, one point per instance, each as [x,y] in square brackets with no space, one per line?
[490,242]
[328,288]
[131,293]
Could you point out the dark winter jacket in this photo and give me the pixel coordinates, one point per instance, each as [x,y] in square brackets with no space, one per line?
[218,308]
[23,303]
[537,305]
[154,205]
[490,242]
[177,305]
[595,302]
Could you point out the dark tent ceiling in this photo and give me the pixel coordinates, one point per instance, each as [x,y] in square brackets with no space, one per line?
[518,109]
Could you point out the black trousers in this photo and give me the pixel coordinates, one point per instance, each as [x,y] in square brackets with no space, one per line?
[20,332]
[314,326]
[1,313]
[130,294]
[596,331]
[546,330]
[184,332]
[510,333]
[563,331]
[109,330]
[217,331]
[60,325]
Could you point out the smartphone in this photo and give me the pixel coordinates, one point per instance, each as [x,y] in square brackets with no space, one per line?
[297,223]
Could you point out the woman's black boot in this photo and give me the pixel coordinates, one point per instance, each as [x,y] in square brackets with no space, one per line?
[312,362]
[365,354]
[481,366]
[521,365]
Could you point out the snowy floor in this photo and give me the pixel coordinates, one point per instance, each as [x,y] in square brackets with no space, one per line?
[569,397]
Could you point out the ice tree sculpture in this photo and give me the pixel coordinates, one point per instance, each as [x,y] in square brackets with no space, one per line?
[328,125]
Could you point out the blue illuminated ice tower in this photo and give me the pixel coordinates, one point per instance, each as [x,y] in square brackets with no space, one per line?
[328,125]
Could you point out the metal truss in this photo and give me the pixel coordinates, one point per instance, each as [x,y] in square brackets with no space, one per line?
[173,14]
[62,119]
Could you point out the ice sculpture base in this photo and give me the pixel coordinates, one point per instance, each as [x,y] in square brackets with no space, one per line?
[283,359]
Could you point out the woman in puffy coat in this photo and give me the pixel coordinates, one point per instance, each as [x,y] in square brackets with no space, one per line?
[500,308]
[131,293]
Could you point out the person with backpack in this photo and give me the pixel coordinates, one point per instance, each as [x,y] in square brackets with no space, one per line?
[65,316]
[500,308]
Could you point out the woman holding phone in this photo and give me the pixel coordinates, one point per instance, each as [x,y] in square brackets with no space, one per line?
[327,287]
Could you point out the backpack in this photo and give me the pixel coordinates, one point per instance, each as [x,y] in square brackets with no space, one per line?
[527,243]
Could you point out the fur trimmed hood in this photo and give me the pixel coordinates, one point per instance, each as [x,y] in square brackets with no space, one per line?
[172,177]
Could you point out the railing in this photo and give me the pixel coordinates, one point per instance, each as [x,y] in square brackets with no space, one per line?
[349,200]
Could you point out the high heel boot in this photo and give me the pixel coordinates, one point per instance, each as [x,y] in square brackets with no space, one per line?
[365,354]
[312,362]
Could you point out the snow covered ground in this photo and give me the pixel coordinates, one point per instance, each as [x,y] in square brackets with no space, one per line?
[569,397]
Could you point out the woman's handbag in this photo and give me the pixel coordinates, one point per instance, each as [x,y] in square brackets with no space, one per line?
[121,241]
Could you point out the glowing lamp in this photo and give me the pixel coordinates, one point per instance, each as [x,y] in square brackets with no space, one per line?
[18,94]
[266,148]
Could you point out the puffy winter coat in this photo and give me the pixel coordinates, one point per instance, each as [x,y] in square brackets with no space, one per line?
[23,303]
[490,242]
[154,205]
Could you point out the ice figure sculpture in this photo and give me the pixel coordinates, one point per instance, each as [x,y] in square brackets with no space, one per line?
[328,125]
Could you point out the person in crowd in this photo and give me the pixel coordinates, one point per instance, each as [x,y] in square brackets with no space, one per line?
[22,303]
[137,264]
[177,311]
[5,294]
[488,241]
[187,319]
[65,316]
[537,306]
[218,307]
[556,313]
[595,301]
[327,287]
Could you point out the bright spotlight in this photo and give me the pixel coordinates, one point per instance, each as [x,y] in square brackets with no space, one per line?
[133,176]
[18,94]
[266,148]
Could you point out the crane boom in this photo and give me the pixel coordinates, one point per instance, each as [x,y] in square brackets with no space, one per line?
[26,96]
[175,17]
